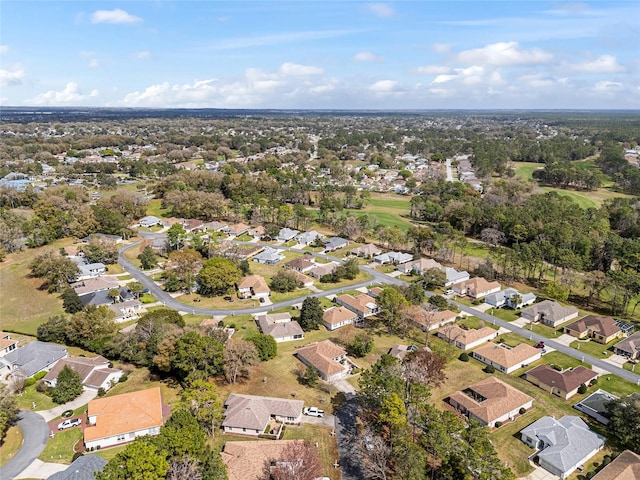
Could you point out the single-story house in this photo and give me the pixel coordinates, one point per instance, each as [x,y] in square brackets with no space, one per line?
[193,225]
[123,418]
[625,466]
[280,326]
[565,383]
[91,285]
[374,292]
[286,234]
[334,243]
[595,405]
[253,286]
[127,310]
[82,468]
[236,230]
[367,251]
[601,329]
[490,401]
[303,279]
[7,344]
[34,357]
[396,258]
[257,232]
[321,270]
[507,359]
[419,266]
[269,256]
[250,414]
[466,339]
[507,296]
[94,372]
[307,238]
[432,320]
[549,313]
[336,317]
[562,444]
[90,270]
[629,347]
[300,264]
[215,226]
[101,297]
[454,276]
[327,357]
[400,351]
[476,287]
[247,460]
[363,304]
[150,221]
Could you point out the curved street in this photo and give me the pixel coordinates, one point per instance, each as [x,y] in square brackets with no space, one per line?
[35,432]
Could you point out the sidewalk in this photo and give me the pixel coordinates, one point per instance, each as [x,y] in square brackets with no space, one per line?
[83,399]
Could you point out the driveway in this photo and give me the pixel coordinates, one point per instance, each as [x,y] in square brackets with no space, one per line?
[565,339]
[83,399]
[349,444]
[540,474]
[327,421]
[35,432]
[40,469]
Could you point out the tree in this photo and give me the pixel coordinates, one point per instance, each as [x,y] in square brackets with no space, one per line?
[624,422]
[136,288]
[176,236]
[186,263]
[90,325]
[68,386]
[53,330]
[139,461]
[377,457]
[284,281]
[299,460]
[433,278]
[114,294]
[310,314]
[351,268]
[181,435]
[311,376]
[439,302]
[556,291]
[266,346]
[58,271]
[217,276]
[390,302]
[362,345]
[148,259]
[196,357]
[211,466]
[201,399]
[8,410]
[71,301]
[238,356]
[184,468]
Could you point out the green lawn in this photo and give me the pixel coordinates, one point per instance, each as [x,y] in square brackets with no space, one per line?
[30,395]
[60,448]
[387,210]
[592,348]
[320,436]
[526,169]
[10,445]
[154,207]
[109,453]
[361,277]
[505,314]
[475,322]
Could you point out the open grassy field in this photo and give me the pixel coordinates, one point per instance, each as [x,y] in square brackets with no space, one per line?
[154,207]
[60,448]
[387,209]
[140,379]
[10,445]
[23,305]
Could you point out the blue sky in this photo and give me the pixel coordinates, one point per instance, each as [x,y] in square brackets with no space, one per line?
[329,55]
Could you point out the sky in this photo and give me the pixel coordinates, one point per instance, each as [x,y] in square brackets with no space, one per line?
[321,55]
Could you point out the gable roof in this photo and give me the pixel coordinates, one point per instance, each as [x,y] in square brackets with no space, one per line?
[300,263]
[321,355]
[566,381]
[81,365]
[465,337]
[362,303]
[279,325]
[269,255]
[480,284]
[124,413]
[94,284]
[368,249]
[253,412]
[336,242]
[605,326]
[569,440]
[507,357]
[496,399]
[551,310]
[35,356]
[625,466]
[82,468]
[246,460]
[337,315]
[6,340]
[630,344]
[256,282]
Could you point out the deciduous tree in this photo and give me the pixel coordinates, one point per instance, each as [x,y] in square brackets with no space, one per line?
[139,461]
[68,386]
[238,357]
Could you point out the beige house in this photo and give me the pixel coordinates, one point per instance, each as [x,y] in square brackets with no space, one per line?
[327,357]
[94,372]
[363,304]
[629,347]
[280,326]
[549,313]
[367,251]
[467,339]
[7,344]
[247,460]
[601,329]
[253,286]
[432,320]
[490,401]
[565,383]
[419,266]
[476,287]
[336,317]
[507,359]
[625,466]
[250,414]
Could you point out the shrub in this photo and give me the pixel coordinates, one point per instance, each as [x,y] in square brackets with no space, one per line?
[122,379]
[464,357]
[582,389]
[220,324]
[522,411]
[490,369]
[101,392]
[39,375]
[594,381]
[76,456]
[29,382]
[498,424]
[557,367]
[41,386]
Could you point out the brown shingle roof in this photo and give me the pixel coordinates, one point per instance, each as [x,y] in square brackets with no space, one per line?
[605,326]
[566,381]
[246,460]
[81,365]
[337,315]
[253,412]
[255,282]
[360,303]
[321,356]
[124,413]
[299,263]
[626,466]
[465,337]
[500,399]
[507,357]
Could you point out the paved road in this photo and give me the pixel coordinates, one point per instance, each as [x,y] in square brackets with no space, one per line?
[349,444]
[35,432]
[169,301]
[449,171]
[627,375]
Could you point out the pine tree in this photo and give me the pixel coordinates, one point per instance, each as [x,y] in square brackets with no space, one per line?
[68,386]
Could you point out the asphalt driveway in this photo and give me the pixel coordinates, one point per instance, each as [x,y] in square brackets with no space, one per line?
[35,432]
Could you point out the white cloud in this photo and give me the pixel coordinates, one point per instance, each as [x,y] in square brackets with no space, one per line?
[4,49]
[602,64]
[432,69]
[470,75]
[367,57]
[607,86]
[381,10]
[11,76]
[504,54]
[441,48]
[70,95]
[537,80]
[142,54]
[114,16]
[385,87]
[93,63]
[295,69]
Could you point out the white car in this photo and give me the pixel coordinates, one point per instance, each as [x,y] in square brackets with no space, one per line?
[313,412]
[69,423]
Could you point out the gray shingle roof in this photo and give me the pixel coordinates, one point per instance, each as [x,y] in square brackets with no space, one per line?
[83,468]
[35,356]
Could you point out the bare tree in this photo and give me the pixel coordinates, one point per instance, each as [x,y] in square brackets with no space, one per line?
[299,460]
[376,456]
[17,382]
[238,356]
[184,468]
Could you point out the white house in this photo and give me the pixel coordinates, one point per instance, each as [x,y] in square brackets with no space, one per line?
[251,414]
[95,372]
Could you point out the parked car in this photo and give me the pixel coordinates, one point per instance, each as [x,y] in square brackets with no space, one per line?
[449,292]
[313,412]
[69,423]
